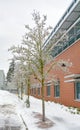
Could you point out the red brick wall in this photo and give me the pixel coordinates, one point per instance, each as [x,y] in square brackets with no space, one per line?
[66,89]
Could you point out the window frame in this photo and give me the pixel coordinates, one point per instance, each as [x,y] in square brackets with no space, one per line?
[39,91]
[77,93]
[34,91]
[57,89]
[48,92]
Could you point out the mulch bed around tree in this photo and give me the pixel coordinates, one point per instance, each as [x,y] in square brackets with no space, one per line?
[46,124]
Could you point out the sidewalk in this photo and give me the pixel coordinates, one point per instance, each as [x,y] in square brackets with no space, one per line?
[9,120]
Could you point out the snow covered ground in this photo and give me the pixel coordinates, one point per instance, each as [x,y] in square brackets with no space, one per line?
[62,117]
[9,117]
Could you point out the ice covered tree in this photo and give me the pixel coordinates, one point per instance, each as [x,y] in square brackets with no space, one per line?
[22,70]
[18,79]
[39,55]
[36,55]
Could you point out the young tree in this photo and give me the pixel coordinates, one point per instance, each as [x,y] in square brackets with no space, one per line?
[18,79]
[39,55]
[36,55]
[22,71]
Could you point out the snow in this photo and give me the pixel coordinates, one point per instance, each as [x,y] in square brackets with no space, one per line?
[63,117]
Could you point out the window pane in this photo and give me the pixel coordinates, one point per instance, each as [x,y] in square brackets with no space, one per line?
[48,90]
[38,91]
[34,90]
[56,90]
[78,90]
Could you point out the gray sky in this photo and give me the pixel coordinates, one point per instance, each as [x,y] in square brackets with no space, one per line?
[14,14]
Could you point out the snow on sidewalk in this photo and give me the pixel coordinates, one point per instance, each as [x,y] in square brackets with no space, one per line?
[9,118]
[61,116]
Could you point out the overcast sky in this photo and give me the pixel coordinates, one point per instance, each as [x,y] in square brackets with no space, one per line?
[15,14]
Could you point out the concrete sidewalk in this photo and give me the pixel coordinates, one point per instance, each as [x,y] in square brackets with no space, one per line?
[9,119]
[6,124]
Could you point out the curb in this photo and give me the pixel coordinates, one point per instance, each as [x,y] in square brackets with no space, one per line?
[24,122]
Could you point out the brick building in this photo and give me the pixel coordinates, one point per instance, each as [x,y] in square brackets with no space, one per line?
[67,89]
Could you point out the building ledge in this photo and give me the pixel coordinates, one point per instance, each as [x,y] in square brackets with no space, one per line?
[77,100]
[73,78]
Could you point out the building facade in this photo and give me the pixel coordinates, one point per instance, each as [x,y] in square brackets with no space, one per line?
[2,79]
[66,37]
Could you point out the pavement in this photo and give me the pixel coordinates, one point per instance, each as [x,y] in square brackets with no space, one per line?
[5,124]
[9,120]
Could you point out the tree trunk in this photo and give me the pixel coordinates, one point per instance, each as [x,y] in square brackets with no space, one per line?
[21,91]
[43,102]
[28,93]
[18,92]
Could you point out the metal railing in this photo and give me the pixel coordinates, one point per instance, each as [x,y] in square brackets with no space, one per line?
[66,45]
[74,2]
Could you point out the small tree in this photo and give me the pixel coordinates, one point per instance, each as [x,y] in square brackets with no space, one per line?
[18,80]
[40,55]
[22,70]
[36,55]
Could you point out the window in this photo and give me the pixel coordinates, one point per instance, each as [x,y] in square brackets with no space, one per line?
[34,91]
[77,90]
[38,91]
[48,90]
[57,89]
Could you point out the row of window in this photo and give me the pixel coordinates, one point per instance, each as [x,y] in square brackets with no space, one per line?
[48,90]
[57,91]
